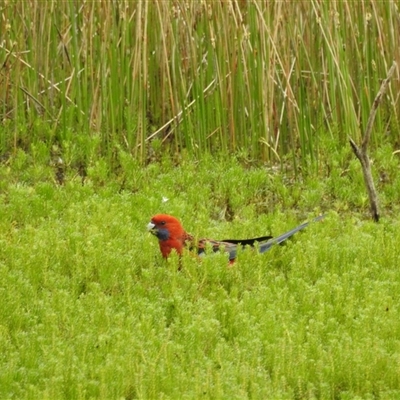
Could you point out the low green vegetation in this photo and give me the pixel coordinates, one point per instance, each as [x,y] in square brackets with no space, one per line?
[90,310]
[233,116]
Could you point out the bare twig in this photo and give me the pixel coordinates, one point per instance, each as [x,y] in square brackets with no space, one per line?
[52,85]
[361,152]
[178,116]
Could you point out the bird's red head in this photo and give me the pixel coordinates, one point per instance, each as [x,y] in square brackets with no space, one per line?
[169,232]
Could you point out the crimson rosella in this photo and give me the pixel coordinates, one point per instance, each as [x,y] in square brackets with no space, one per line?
[172,236]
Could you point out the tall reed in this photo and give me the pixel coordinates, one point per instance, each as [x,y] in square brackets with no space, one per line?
[266,79]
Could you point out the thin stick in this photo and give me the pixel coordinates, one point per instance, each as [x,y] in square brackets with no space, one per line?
[361,153]
[177,116]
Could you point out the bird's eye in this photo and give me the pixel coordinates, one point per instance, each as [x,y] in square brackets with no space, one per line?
[162,222]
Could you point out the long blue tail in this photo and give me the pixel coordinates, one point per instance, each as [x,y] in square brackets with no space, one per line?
[267,245]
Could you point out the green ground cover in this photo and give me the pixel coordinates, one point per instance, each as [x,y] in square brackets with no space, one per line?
[233,116]
[90,310]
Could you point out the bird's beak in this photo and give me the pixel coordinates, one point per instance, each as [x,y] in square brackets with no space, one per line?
[150,227]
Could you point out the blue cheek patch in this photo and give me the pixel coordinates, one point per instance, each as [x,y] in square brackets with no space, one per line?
[163,234]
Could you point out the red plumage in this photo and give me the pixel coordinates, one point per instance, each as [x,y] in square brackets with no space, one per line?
[172,236]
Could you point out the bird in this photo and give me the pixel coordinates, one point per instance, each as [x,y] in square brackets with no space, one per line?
[172,237]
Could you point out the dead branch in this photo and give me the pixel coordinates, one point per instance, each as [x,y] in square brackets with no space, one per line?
[361,152]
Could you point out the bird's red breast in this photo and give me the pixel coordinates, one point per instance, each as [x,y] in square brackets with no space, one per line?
[170,233]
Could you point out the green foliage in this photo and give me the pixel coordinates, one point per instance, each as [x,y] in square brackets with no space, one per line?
[90,310]
[234,117]
[270,79]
